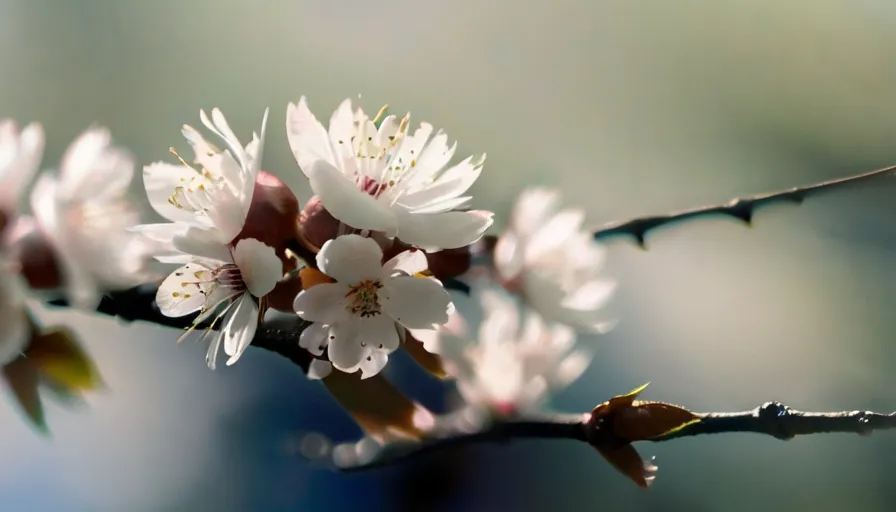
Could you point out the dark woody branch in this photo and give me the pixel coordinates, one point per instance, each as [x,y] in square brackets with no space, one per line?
[772,419]
[280,335]
[742,209]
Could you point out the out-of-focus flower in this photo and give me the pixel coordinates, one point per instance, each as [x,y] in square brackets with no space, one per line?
[215,197]
[222,283]
[85,214]
[385,179]
[517,362]
[20,156]
[546,256]
[362,316]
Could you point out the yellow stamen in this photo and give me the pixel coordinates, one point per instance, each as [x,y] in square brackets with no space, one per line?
[381,114]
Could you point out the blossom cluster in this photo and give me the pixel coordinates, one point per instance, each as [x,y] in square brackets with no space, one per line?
[365,262]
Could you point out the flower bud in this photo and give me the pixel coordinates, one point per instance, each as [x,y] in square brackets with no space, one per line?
[273,213]
[34,254]
[316,224]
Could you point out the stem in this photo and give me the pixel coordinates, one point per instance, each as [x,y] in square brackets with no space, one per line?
[742,209]
[772,418]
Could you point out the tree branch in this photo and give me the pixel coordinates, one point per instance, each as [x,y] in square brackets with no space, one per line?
[742,209]
[772,418]
[280,335]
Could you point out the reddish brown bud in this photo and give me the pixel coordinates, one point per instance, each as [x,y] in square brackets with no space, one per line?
[316,224]
[272,215]
[37,261]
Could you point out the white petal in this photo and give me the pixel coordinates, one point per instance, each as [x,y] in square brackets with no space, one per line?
[20,156]
[183,291]
[240,330]
[228,214]
[436,193]
[162,233]
[205,243]
[351,259]
[308,139]
[44,205]
[593,294]
[218,125]
[319,369]
[341,131]
[380,333]
[374,363]
[448,230]
[324,303]
[410,262]
[456,203]
[571,368]
[468,169]
[259,265]
[214,346]
[344,346]
[532,209]
[508,255]
[314,338]
[554,234]
[437,154]
[90,168]
[351,342]
[416,302]
[500,325]
[175,258]
[346,202]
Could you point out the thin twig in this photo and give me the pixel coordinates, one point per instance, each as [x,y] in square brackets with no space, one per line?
[742,209]
[772,418]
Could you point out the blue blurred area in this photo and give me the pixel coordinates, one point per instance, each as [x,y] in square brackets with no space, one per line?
[629,108]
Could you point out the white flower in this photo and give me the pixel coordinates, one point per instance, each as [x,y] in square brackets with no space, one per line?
[20,156]
[221,283]
[361,318]
[216,195]
[516,364]
[386,179]
[548,258]
[85,213]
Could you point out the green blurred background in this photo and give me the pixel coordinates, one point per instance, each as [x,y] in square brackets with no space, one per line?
[629,107]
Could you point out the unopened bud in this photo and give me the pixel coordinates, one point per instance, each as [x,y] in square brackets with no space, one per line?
[316,224]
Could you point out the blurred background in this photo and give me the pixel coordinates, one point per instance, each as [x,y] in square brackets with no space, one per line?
[629,107]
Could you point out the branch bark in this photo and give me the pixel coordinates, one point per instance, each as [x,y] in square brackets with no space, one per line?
[771,418]
[280,336]
[742,208]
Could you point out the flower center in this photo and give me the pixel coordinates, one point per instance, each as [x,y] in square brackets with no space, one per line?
[380,161]
[205,282]
[363,299]
[229,276]
[193,193]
